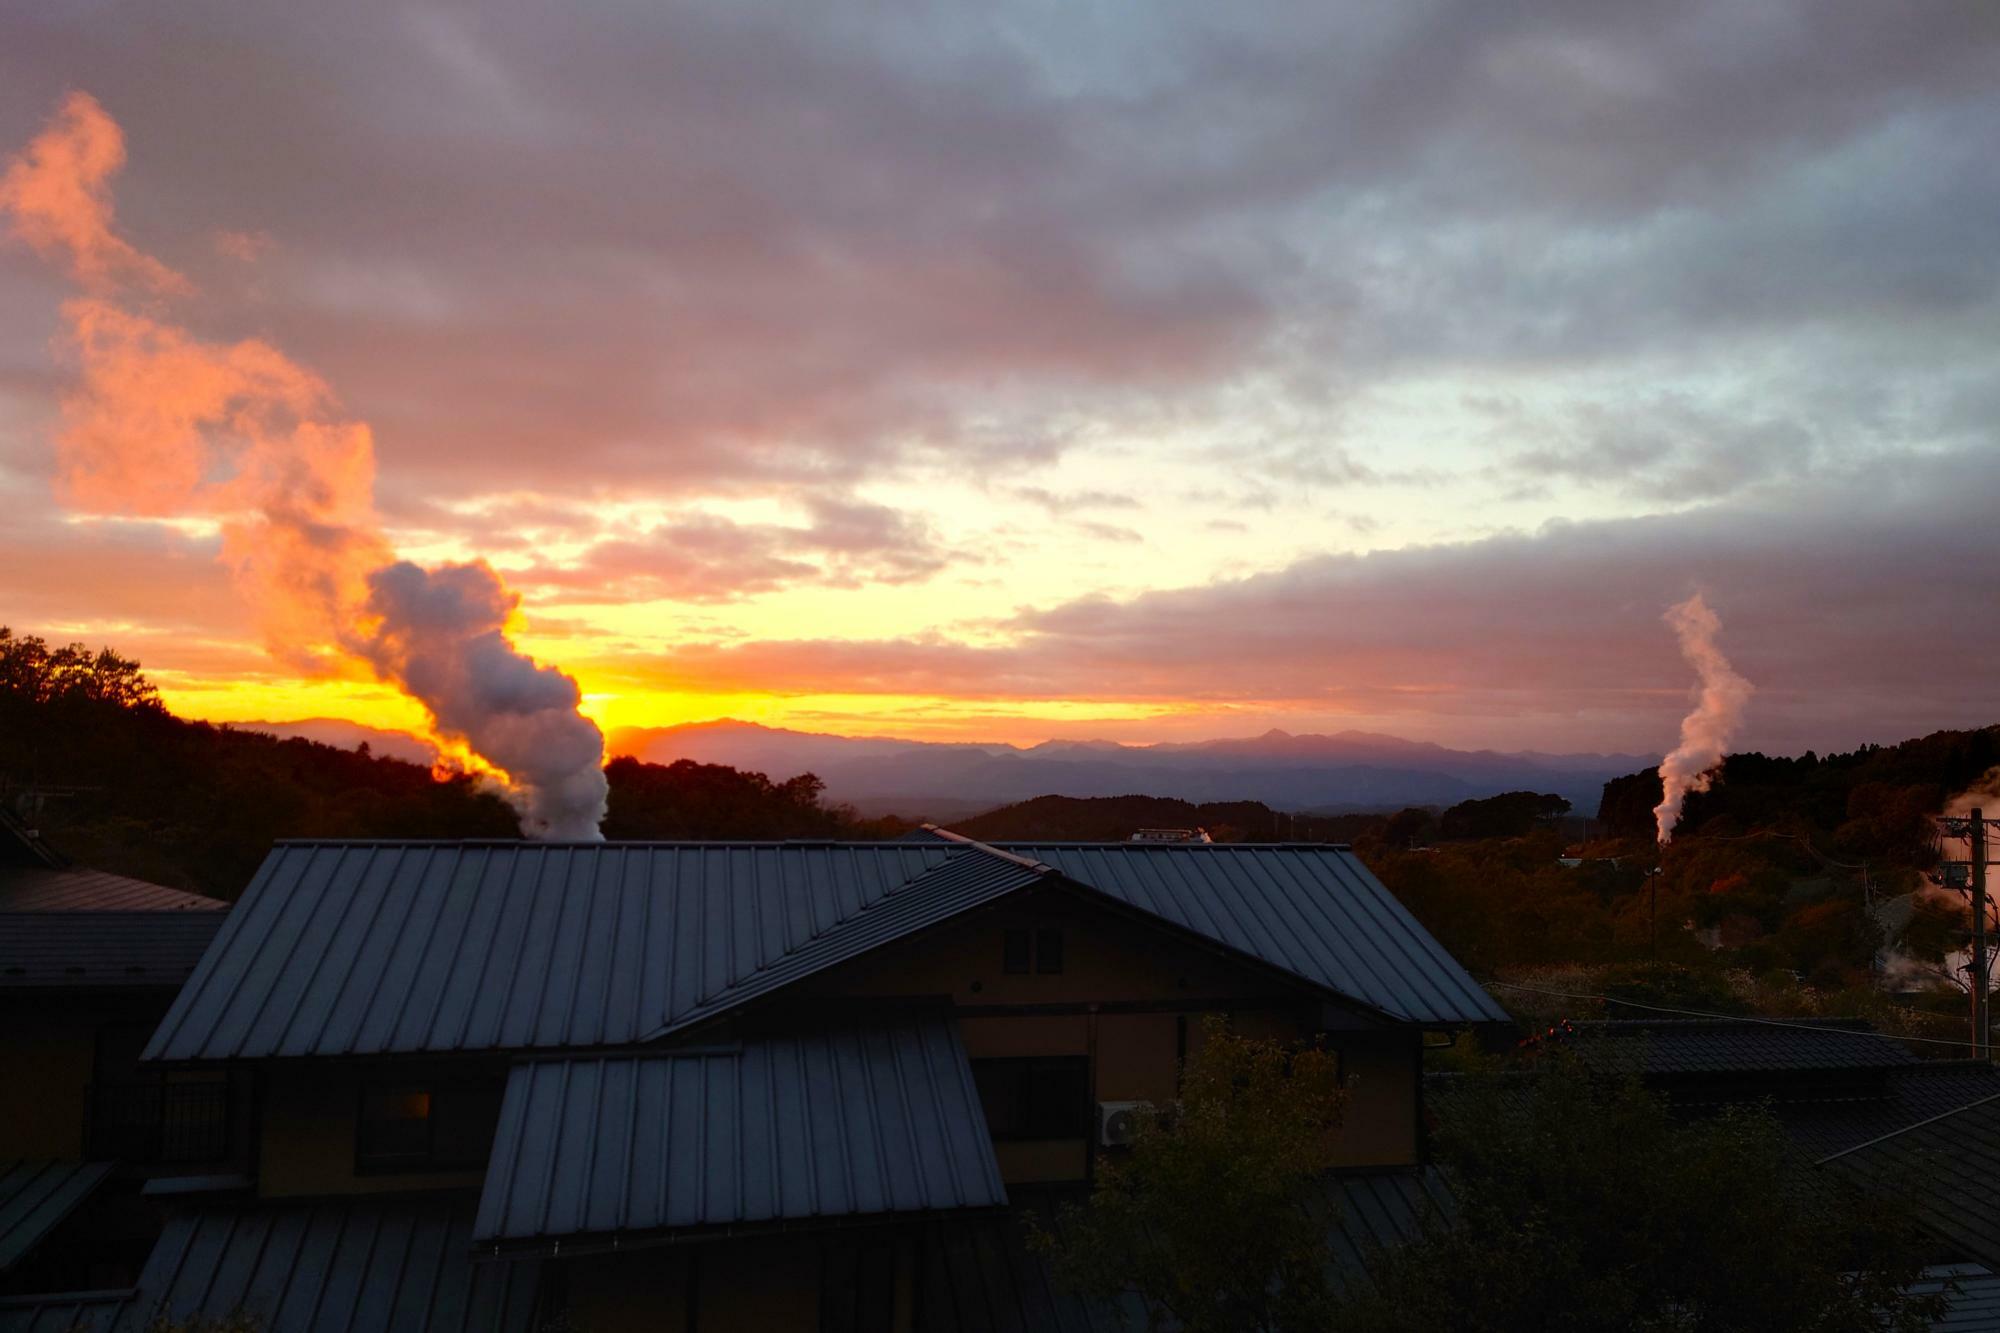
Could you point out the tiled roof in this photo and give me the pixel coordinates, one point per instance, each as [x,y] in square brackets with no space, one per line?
[36,1196]
[1701,1046]
[1313,910]
[344,948]
[1942,1166]
[103,949]
[38,889]
[399,1265]
[1821,1126]
[842,1123]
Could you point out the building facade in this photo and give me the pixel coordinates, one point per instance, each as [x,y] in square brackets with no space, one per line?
[741,1086]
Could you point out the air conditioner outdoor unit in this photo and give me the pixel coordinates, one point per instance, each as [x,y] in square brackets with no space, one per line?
[1117,1120]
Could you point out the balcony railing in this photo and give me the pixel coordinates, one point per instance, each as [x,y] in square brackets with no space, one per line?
[159,1123]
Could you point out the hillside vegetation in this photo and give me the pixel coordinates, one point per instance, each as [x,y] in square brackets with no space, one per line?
[115,781]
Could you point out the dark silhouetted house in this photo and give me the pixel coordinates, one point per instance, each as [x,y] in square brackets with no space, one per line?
[89,963]
[1853,1100]
[745,1086]
[1832,1083]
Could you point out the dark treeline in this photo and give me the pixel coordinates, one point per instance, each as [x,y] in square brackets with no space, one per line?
[90,756]
[1116,818]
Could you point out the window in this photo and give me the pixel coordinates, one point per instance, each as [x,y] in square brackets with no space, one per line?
[1039,1098]
[426,1128]
[1017,953]
[1023,951]
[1048,951]
[857,1284]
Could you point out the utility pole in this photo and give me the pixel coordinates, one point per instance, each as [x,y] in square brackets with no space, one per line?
[1653,909]
[1972,827]
[1981,986]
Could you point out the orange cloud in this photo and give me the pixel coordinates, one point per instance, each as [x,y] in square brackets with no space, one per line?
[57,194]
[166,424]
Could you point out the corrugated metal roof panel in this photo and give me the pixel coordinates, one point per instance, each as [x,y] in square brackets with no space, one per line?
[36,1196]
[1314,911]
[1375,1211]
[341,948]
[37,889]
[1974,1299]
[97,949]
[65,1311]
[847,1122]
[346,1266]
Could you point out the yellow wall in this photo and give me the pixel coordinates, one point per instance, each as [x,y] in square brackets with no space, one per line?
[45,1066]
[307,1145]
[1111,960]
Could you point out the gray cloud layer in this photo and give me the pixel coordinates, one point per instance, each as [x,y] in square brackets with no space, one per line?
[1733,263]
[1852,602]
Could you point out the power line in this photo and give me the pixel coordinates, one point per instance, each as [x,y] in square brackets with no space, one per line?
[1727,1018]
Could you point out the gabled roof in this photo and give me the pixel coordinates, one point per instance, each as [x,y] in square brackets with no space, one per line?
[36,1196]
[1313,910]
[842,1123]
[1672,1047]
[371,948]
[94,950]
[374,948]
[1941,1165]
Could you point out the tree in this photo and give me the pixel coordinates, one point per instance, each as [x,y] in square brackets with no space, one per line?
[33,672]
[1206,1219]
[1511,814]
[1582,1206]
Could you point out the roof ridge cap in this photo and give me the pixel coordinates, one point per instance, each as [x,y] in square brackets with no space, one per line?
[1024,861]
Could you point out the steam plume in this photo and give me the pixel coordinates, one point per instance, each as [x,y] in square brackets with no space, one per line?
[162,422]
[1719,702]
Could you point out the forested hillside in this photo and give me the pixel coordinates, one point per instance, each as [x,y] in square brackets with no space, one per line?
[89,755]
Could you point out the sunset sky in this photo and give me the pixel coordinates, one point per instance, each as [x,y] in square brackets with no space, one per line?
[1071,371]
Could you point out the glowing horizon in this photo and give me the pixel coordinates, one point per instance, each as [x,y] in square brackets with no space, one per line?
[1000,411]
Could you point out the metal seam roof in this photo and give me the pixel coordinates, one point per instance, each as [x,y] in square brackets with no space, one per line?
[334,1266]
[369,948]
[35,1197]
[339,949]
[65,1311]
[1314,911]
[867,1120]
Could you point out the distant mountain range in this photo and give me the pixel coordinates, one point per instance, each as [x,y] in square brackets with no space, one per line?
[1346,771]
[1350,770]
[345,735]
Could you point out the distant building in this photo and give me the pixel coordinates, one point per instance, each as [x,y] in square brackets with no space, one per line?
[89,963]
[745,1086]
[1172,835]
